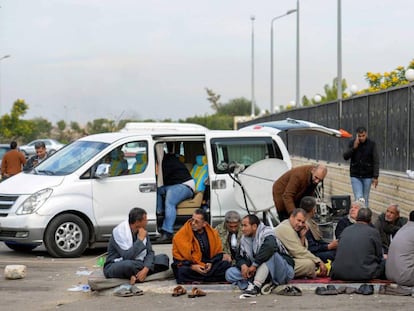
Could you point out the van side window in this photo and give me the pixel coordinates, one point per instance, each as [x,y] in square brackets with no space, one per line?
[246,150]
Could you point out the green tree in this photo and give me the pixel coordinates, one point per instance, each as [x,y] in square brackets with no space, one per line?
[100,126]
[213,98]
[12,126]
[40,128]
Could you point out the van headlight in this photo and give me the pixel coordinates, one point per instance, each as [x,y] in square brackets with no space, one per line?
[34,202]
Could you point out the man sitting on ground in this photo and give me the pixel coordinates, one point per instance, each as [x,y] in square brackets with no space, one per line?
[197,252]
[292,233]
[230,234]
[349,219]
[388,224]
[316,244]
[399,266]
[259,258]
[130,253]
[359,254]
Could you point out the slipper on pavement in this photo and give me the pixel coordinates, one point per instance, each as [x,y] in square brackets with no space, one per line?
[136,291]
[123,292]
[178,291]
[196,292]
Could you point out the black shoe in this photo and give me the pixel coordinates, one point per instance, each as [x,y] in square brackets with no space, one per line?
[365,289]
[251,291]
[166,237]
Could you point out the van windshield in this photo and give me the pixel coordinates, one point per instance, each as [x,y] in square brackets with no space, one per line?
[70,158]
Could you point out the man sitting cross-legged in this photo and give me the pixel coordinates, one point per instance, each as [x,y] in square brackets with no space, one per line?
[260,258]
[130,253]
[197,252]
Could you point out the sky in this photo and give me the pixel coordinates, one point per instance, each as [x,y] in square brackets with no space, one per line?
[80,60]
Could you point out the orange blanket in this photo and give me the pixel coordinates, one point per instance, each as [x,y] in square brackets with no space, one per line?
[186,246]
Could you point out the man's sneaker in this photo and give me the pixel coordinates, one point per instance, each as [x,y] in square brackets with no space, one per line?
[251,290]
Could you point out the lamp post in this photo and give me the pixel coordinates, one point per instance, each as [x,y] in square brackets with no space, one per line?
[297,56]
[252,18]
[339,47]
[271,57]
[1,58]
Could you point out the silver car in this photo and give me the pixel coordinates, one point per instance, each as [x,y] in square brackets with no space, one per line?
[52,146]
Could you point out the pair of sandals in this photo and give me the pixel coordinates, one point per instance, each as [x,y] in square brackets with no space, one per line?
[396,290]
[195,292]
[288,290]
[133,290]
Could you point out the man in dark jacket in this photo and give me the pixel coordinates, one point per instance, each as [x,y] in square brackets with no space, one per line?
[364,167]
[292,186]
[388,224]
[178,185]
[359,255]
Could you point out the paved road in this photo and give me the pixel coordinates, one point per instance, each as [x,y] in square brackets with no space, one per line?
[48,280]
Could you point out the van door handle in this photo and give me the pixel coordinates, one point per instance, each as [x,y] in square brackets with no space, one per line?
[148,187]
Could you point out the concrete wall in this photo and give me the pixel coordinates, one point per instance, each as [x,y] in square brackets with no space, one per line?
[393,187]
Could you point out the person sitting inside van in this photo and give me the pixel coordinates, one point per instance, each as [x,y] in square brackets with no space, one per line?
[141,162]
[178,185]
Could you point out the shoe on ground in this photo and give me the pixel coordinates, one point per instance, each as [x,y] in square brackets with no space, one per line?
[326,291]
[251,290]
[165,237]
[396,290]
[365,289]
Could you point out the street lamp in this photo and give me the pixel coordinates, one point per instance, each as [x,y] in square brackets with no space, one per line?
[1,58]
[409,75]
[339,60]
[252,18]
[271,57]
[297,56]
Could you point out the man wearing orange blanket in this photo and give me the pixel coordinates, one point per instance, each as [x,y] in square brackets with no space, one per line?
[197,252]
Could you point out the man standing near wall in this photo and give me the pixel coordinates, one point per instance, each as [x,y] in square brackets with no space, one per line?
[364,167]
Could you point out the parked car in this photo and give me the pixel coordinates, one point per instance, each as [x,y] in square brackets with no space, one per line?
[75,198]
[52,146]
[3,149]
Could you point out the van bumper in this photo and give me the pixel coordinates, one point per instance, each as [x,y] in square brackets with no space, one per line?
[25,229]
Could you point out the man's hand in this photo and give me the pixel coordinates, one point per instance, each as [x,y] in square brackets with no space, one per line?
[226,257]
[252,271]
[356,142]
[333,244]
[245,271]
[207,267]
[323,271]
[198,268]
[142,234]
[375,182]
[142,274]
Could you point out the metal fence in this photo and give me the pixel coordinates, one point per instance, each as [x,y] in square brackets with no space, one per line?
[387,115]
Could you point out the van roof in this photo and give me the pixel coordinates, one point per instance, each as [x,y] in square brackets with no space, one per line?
[163,126]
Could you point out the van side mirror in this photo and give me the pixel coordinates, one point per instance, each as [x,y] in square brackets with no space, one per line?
[102,171]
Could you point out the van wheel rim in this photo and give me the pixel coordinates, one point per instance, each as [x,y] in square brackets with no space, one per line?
[68,236]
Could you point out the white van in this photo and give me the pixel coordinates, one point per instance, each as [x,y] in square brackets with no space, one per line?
[74,199]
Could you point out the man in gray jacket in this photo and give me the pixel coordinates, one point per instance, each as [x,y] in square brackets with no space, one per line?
[130,254]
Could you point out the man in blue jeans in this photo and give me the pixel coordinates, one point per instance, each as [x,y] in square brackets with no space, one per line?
[261,258]
[364,167]
[178,185]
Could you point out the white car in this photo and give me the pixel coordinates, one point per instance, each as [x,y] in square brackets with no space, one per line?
[52,146]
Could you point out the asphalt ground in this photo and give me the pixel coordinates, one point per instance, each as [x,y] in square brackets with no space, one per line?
[55,284]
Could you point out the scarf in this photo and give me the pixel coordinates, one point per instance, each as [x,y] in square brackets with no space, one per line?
[249,246]
[123,237]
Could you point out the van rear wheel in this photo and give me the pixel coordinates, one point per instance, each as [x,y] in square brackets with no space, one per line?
[66,236]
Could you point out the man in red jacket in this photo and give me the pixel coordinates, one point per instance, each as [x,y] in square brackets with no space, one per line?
[12,162]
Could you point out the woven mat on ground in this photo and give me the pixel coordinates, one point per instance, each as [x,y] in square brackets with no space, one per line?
[97,280]
[327,280]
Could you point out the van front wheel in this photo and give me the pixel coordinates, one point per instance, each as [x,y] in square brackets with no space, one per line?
[66,236]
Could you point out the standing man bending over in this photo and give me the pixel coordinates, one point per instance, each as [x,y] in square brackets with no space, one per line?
[292,186]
